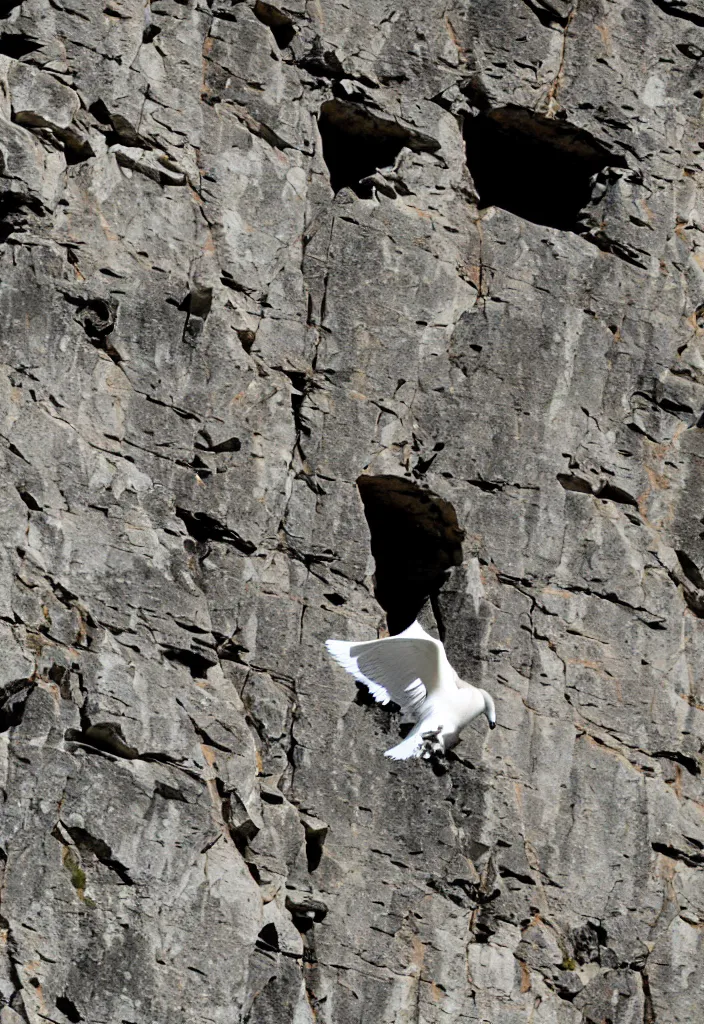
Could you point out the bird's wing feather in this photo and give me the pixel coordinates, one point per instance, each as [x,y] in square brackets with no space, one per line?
[405,669]
[340,651]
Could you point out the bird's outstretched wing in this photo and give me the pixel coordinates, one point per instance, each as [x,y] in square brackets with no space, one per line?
[405,668]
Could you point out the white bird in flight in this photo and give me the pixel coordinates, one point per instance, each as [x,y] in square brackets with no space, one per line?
[412,670]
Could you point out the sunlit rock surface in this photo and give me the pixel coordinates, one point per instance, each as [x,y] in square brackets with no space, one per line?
[284,290]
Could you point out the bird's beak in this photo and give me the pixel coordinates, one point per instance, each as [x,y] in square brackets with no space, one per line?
[492,725]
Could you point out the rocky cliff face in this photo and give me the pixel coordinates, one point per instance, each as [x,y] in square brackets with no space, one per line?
[290,296]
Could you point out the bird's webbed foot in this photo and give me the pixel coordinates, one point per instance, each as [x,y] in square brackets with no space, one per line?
[433,744]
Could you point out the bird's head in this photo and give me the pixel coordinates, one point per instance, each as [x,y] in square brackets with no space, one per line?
[489,709]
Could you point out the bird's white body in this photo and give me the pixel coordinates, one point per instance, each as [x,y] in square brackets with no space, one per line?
[412,670]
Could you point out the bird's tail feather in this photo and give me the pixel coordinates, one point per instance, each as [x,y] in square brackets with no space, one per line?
[409,747]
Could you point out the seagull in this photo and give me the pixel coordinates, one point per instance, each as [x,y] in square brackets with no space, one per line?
[412,670]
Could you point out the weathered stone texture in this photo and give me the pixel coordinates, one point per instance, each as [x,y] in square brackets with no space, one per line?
[204,346]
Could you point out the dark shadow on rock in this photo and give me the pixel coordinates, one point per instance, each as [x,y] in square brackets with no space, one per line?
[356,143]
[539,168]
[415,540]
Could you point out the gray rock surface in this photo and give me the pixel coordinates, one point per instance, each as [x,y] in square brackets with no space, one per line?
[249,254]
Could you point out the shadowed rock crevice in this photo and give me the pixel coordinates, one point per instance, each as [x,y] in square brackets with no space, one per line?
[356,143]
[116,129]
[415,539]
[97,318]
[205,529]
[268,939]
[693,860]
[12,703]
[16,45]
[305,910]
[599,488]
[690,764]
[103,736]
[546,14]
[282,27]
[533,166]
[89,844]
[16,211]
[68,1008]
[690,569]
[316,833]
[680,9]
[197,664]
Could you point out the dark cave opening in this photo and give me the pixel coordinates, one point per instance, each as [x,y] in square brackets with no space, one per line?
[539,168]
[415,540]
[356,143]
